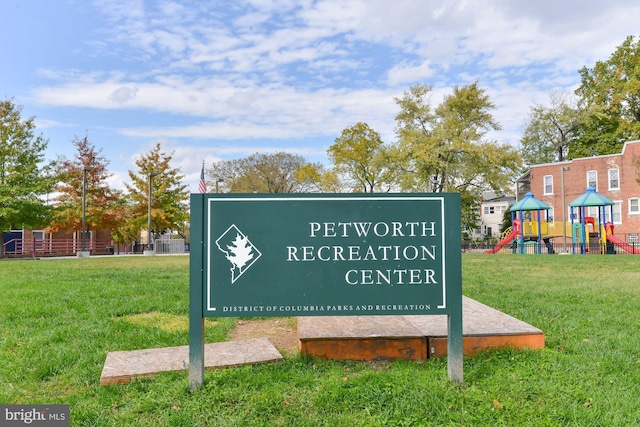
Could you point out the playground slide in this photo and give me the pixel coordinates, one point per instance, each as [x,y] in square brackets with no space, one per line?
[623,245]
[503,242]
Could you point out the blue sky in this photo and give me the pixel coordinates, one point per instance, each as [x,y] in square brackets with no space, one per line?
[217,80]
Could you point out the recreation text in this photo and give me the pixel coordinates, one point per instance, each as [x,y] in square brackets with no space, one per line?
[416,247]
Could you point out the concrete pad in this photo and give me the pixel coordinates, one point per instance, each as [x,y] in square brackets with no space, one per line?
[477,319]
[121,367]
[483,328]
[413,337]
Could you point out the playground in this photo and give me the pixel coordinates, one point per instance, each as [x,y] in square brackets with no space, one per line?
[533,232]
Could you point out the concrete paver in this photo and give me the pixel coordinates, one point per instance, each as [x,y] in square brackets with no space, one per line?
[121,367]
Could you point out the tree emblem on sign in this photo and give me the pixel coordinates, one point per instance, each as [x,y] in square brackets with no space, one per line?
[238,250]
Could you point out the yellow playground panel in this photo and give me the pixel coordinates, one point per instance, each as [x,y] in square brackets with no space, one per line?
[547,229]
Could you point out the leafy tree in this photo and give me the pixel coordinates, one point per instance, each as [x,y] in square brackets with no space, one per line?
[266,173]
[315,178]
[445,150]
[25,177]
[415,136]
[126,229]
[102,203]
[360,154]
[169,196]
[611,91]
[550,130]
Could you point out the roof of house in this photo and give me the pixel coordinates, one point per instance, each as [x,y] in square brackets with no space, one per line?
[624,148]
[491,196]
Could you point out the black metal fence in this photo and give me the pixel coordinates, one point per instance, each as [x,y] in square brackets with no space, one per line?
[551,248]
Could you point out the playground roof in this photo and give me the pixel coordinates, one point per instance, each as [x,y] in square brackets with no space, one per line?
[592,198]
[529,203]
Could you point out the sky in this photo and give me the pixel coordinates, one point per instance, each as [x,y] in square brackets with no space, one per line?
[220,80]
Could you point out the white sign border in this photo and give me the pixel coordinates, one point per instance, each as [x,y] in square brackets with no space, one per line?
[317,199]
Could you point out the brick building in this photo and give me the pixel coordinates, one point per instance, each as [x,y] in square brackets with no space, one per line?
[28,242]
[614,175]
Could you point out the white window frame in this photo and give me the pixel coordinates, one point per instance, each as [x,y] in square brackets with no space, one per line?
[617,179]
[617,212]
[595,179]
[635,211]
[550,213]
[633,238]
[547,185]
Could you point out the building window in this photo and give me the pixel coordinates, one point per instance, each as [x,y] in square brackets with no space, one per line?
[617,212]
[489,210]
[633,238]
[548,184]
[634,206]
[594,211]
[592,179]
[550,215]
[614,179]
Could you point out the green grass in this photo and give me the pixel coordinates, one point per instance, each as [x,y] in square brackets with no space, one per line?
[59,318]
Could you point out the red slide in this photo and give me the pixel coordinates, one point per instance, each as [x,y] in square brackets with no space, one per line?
[504,241]
[627,247]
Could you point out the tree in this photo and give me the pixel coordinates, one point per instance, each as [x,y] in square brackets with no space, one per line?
[315,178]
[550,130]
[611,91]
[266,173]
[102,202]
[25,177]
[168,195]
[360,154]
[445,150]
[125,229]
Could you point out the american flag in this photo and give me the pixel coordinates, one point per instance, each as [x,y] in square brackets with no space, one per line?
[202,186]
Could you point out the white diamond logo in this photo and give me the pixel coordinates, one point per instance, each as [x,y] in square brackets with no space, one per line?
[238,250]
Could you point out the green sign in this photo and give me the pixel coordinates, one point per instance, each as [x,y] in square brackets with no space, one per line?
[324,255]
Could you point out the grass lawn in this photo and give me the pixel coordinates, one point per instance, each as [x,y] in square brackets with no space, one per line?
[59,318]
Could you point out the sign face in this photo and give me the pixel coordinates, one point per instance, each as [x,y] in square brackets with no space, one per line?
[324,255]
[314,255]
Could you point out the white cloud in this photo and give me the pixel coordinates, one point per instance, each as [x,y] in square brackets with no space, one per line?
[44,123]
[405,73]
[123,94]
